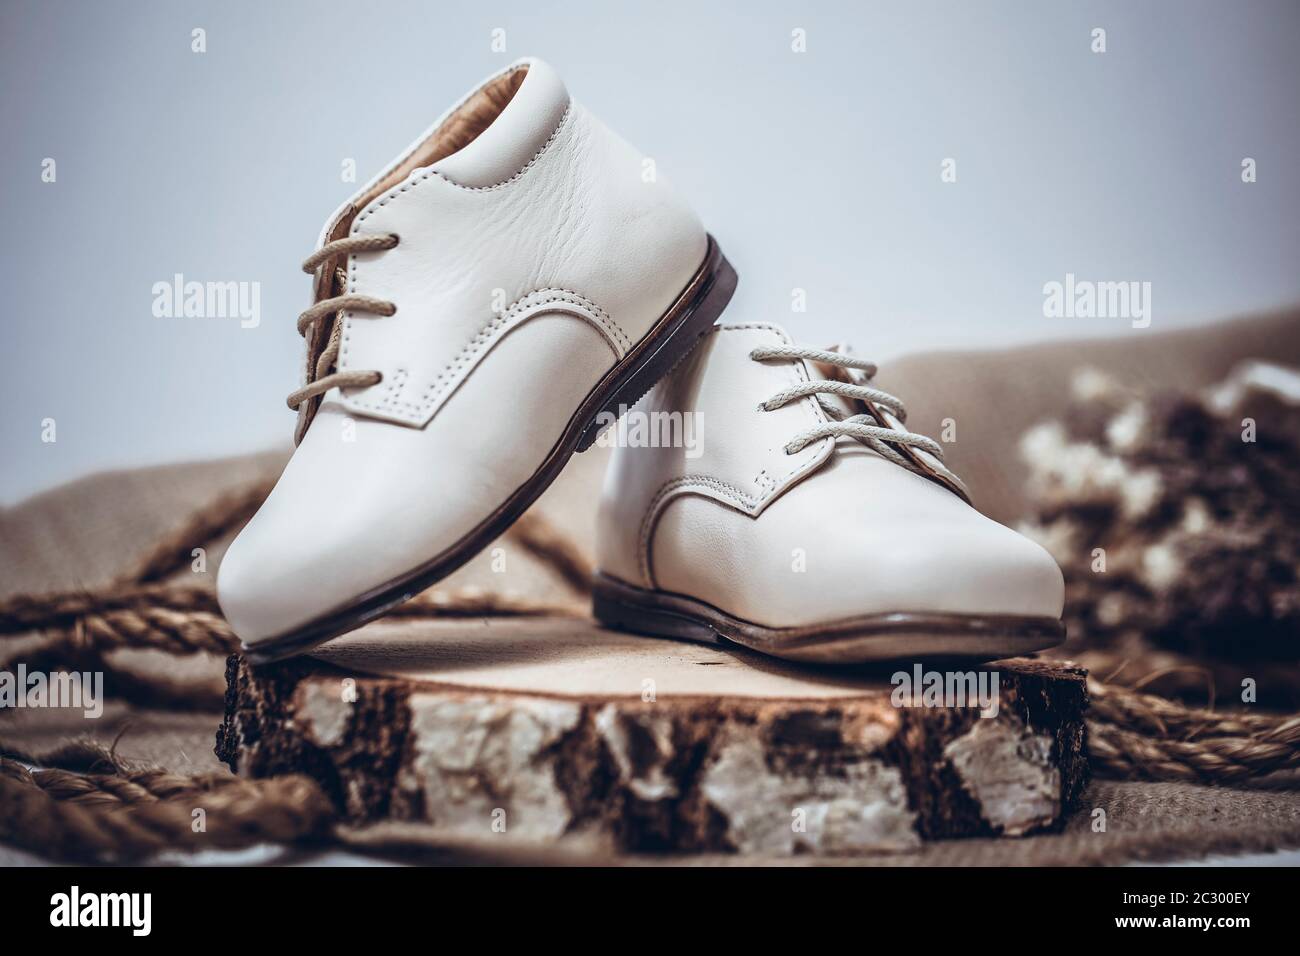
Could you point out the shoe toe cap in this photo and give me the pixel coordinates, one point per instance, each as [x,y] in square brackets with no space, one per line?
[987,569]
[256,586]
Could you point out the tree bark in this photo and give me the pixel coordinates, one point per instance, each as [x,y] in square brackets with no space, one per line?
[556,732]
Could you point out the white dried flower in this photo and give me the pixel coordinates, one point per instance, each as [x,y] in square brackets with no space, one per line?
[1161,567]
[1126,430]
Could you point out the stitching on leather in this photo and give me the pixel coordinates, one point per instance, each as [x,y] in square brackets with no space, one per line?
[486,335]
[574,298]
[347,316]
[483,340]
[650,519]
[392,388]
[809,403]
[659,501]
[431,173]
[415,146]
[754,326]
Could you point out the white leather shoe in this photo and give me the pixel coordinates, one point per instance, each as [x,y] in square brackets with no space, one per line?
[513,275]
[803,520]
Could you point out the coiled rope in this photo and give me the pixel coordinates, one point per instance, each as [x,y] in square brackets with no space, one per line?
[81,803]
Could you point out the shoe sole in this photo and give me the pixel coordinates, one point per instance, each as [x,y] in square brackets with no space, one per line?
[871,638]
[672,338]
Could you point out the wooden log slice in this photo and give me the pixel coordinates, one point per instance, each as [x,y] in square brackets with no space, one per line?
[554,731]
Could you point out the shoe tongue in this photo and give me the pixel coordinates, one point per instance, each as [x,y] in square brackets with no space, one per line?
[834,373]
[851,406]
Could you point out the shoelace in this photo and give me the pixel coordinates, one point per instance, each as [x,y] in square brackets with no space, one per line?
[319,379]
[881,439]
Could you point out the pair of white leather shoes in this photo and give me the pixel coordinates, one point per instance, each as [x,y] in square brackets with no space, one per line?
[512,282]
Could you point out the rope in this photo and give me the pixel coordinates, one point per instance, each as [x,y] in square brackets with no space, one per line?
[184,619]
[31,612]
[1135,736]
[172,551]
[85,806]
[540,538]
[136,815]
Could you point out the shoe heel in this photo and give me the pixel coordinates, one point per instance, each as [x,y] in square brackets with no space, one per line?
[614,605]
[685,323]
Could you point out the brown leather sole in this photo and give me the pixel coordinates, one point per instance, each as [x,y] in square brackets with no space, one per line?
[859,640]
[680,329]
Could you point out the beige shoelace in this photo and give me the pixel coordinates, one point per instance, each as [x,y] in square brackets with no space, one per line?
[319,379]
[864,428]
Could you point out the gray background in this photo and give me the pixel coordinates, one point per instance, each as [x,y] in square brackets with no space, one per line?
[817,170]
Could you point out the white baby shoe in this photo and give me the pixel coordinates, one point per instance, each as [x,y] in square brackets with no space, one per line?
[480,308]
[769,495]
